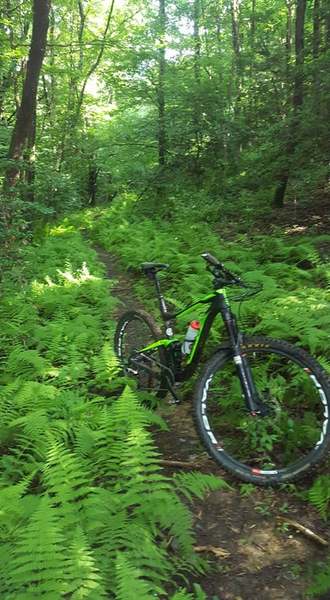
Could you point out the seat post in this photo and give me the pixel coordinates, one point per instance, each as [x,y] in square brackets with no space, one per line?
[162,303]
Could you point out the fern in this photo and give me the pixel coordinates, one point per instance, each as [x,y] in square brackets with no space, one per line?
[198,484]
[197,595]
[291,302]
[125,421]
[319,495]
[130,582]
[27,364]
[86,510]
[67,483]
[105,365]
[82,573]
[321,581]
[38,557]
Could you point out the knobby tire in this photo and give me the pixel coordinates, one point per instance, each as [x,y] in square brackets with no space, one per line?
[135,330]
[230,433]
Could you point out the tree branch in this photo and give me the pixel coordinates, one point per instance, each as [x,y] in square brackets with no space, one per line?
[98,58]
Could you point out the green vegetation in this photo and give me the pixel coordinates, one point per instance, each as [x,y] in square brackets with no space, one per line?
[86,511]
[160,129]
[321,580]
[226,100]
[293,303]
[319,495]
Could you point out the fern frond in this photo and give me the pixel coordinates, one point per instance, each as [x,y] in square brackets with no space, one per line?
[319,495]
[27,363]
[83,576]
[38,557]
[67,483]
[105,365]
[198,594]
[124,447]
[182,595]
[130,582]
[198,484]
[321,581]
[85,440]
[164,511]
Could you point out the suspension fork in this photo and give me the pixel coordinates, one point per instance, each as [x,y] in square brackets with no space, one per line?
[241,363]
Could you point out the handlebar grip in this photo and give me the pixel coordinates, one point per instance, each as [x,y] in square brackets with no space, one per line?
[211,259]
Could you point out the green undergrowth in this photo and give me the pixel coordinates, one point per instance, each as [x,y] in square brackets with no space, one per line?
[319,580]
[294,302]
[85,509]
[294,273]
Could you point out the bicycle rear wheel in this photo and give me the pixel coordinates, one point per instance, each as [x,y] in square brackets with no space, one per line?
[136,330]
[294,395]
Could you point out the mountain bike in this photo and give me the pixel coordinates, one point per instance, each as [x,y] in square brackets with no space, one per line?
[261,405]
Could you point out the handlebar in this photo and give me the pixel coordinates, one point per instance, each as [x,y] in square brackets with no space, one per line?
[211,259]
[223,277]
[221,274]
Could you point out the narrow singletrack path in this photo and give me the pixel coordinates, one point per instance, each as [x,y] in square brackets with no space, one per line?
[259,557]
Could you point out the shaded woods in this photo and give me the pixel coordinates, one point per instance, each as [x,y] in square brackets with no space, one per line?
[152,131]
[231,96]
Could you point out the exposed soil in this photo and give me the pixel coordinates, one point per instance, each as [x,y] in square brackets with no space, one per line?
[262,559]
[293,220]
[311,218]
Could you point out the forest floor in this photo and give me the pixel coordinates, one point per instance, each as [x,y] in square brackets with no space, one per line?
[259,557]
[291,220]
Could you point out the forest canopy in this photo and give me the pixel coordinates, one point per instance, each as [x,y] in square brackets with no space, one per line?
[99,97]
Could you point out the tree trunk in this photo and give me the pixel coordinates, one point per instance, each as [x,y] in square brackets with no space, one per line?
[297,102]
[237,75]
[161,86]
[298,94]
[316,53]
[316,28]
[252,36]
[25,121]
[29,171]
[326,12]
[288,39]
[235,29]
[197,77]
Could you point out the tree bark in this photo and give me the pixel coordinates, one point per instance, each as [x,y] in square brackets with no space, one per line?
[236,41]
[235,29]
[316,53]
[288,38]
[298,93]
[297,102]
[197,77]
[161,85]
[29,171]
[9,78]
[316,28]
[26,116]
[326,12]
[237,77]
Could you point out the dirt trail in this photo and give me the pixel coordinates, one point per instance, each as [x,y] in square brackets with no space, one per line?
[262,560]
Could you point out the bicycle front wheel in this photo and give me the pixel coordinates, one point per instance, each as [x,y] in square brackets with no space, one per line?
[136,330]
[294,394]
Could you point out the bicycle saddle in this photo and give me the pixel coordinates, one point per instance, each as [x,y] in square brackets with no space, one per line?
[150,267]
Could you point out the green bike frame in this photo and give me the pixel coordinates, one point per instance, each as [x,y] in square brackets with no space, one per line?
[218,304]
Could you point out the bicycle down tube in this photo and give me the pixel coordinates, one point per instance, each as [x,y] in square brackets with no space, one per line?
[219,304]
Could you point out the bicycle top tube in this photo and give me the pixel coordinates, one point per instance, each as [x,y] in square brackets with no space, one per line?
[222,277]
